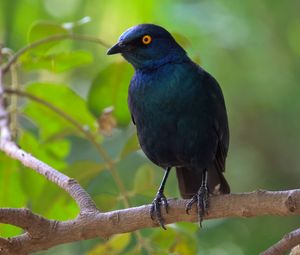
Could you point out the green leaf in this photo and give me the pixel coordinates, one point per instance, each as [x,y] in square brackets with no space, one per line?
[110,88]
[143,182]
[63,98]
[112,247]
[42,29]
[56,62]
[131,145]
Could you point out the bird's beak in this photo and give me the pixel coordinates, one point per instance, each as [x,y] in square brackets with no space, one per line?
[117,48]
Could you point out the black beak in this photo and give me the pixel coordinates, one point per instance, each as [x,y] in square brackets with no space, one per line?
[117,48]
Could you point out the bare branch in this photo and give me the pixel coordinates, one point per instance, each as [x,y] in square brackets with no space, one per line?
[25,219]
[289,241]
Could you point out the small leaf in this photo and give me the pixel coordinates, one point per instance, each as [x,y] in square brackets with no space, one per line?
[67,101]
[113,246]
[42,29]
[110,88]
[131,145]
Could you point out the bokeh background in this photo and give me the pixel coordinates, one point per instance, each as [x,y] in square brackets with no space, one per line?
[252,47]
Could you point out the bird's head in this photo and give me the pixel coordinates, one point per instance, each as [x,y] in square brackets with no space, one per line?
[148,46]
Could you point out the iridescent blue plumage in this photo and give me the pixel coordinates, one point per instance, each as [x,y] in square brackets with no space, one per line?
[179,112]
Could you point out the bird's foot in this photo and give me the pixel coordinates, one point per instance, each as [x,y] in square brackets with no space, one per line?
[155,212]
[201,197]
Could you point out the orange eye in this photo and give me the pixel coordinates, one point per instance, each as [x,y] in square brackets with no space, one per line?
[146,39]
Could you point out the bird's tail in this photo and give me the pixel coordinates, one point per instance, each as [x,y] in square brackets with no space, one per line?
[189,181]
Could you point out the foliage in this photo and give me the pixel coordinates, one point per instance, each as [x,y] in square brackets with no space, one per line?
[251,47]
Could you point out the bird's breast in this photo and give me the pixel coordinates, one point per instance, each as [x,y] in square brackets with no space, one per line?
[170,113]
[152,102]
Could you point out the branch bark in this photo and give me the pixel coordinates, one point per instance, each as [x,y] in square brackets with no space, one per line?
[96,224]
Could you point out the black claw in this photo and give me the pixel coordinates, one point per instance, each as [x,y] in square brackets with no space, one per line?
[202,203]
[190,204]
[165,203]
[155,211]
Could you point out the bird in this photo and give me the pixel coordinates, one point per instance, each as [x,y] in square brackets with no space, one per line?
[180,116]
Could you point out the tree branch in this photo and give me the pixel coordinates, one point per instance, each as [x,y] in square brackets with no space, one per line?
[95,224]
[25,219]
[289,241]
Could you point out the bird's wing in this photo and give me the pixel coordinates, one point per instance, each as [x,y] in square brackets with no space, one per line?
[133,121]
[221,122]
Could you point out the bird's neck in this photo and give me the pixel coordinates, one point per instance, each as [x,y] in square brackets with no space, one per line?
[151,65]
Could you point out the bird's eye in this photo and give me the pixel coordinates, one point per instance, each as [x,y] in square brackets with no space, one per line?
[146,39]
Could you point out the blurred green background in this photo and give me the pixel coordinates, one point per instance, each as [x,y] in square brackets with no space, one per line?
[252,47]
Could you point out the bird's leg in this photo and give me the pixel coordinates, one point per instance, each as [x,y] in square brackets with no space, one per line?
[160,200]
[201,197]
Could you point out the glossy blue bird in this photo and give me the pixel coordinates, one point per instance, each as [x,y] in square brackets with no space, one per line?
[180,116]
